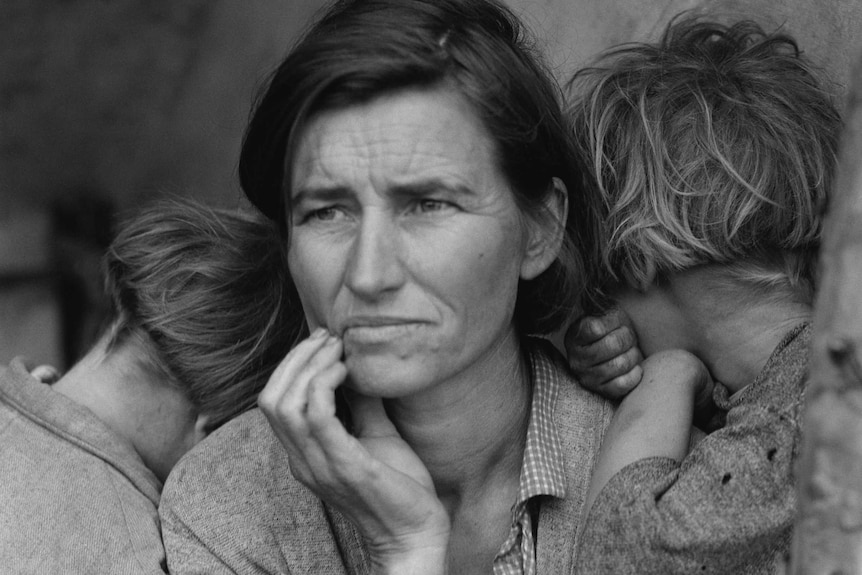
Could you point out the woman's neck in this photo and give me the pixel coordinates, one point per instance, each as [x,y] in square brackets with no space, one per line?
[464,429]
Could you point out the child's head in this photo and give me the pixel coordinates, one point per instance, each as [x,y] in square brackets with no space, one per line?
[714,146]
[201,294]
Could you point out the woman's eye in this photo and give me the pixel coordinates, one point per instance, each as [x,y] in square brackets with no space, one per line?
[329,213]
[324,214]
[432,205]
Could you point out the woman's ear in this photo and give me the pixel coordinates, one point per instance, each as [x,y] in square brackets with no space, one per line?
[545,234]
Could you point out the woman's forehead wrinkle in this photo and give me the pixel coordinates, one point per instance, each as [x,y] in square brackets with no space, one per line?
[326,156]
[401,151]
[391,161]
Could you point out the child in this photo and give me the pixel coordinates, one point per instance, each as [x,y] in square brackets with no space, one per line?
[714,151]
[200,320]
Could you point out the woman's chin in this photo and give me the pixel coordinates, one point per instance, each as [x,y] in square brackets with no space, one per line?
[385,377]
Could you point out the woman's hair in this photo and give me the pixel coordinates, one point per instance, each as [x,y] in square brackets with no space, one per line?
[360,50]
[715,146]
[202,292]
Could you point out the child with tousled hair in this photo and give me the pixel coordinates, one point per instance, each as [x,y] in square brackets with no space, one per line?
[713,151]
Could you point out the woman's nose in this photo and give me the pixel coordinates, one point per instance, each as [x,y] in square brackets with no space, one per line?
[375,267]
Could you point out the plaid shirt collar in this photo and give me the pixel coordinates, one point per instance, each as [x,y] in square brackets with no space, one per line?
[541,471]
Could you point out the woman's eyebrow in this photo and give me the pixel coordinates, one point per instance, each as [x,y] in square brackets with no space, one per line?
[431,186]
[409,190]
[321,193]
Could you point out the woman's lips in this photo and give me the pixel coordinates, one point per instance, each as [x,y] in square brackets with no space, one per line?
[379,331]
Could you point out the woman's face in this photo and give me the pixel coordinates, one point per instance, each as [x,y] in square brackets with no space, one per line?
[406,240]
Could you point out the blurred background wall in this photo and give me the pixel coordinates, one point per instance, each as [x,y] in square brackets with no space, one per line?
[106,104]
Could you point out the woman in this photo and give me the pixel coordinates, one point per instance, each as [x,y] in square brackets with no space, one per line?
[416,157]
[199,322]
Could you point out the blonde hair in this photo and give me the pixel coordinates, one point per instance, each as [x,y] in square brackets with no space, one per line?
[715,146]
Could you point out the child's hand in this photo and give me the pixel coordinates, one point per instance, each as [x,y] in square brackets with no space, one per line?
[44,373]
[603,353]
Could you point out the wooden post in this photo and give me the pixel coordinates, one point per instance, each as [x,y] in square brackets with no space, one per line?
[828,533]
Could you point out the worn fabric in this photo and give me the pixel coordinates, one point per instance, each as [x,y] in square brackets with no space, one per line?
[231,505]
[74,497]
[542,472]
[728,507]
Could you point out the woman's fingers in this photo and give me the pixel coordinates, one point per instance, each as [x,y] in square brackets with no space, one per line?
[381,483]
[287,404]
[285,392]
[320,390]
[374,478]
[289,366]
[322,450]
[369,416]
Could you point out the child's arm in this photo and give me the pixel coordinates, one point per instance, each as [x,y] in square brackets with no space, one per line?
[727,507]
[655,419]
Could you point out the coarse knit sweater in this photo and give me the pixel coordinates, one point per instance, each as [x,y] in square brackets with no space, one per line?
[728,507]
[231,505]
[75,498]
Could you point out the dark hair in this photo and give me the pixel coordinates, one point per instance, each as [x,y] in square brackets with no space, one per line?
[204,291]
[716,145]
[363,49]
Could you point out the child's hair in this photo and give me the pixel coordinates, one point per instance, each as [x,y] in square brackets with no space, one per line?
[202,293]
[715,145]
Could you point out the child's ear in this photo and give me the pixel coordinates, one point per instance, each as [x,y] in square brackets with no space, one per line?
[651,275]
[202,424]
[546,233]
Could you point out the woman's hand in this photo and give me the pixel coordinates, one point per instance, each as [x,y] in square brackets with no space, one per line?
[374,478]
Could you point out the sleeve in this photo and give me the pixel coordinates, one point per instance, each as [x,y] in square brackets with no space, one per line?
[187,553]
[213,523]
[726,508]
